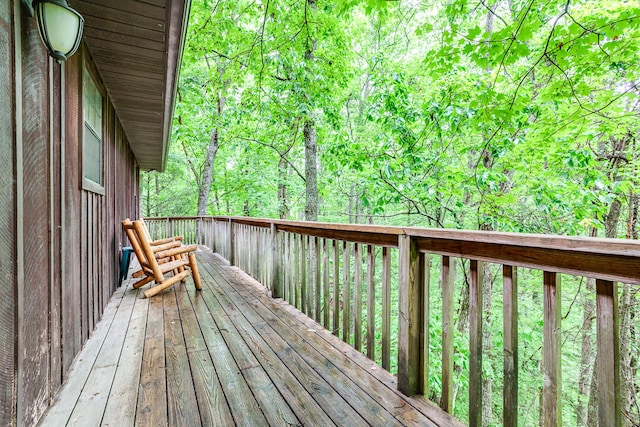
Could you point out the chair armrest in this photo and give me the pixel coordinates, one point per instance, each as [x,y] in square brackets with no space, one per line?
[164,241]
[176,251]
[166,246]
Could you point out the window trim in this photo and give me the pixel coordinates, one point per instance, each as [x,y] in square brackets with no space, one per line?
[89,184]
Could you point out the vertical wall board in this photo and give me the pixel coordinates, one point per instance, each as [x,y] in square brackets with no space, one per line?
[71,330]
[55,195]
[33,389]
[7,218]
[84,267]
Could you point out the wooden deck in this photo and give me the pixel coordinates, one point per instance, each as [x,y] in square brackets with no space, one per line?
[228,355]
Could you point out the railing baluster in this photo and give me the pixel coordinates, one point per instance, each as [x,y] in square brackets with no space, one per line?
[448,281]
[297,282]
[551,366]
[276,262]
[357,298]
[425,280]
[371,301]
[336,287]
[608,354]
[346,297]
[386,308]
[318,284]
[510,345]
[475,344]
[304,295]
[325,283]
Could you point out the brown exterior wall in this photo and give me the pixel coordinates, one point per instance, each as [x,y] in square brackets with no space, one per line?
[60,244]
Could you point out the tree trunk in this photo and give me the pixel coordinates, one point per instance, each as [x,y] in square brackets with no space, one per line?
[586,355]
[207,172]
[310,171]
[283,194]
[628,325]
[310,139]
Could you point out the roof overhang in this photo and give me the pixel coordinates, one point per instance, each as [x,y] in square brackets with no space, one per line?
[137,48]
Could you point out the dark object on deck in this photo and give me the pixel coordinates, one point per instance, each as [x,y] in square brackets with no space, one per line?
[125,259]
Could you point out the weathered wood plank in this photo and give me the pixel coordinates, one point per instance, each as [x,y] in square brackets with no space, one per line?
[8,270]
[244,408]
[608,343]
[316,372]
[212,404]
[356,360]
[121,404]
[276,263]
[424,262]
[275,408]
[326,292]
[448,282]
[510,346]
[378,383]
[182,406]
[475,343]
[66,400]
[386,309]
[296,397]
[92,401]
[336,288]
[357,297]
[317,280]
[551,344]
[346,293]
[152,391]
[371,302]
[32,227]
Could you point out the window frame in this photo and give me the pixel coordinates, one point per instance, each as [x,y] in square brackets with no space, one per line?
[87,183]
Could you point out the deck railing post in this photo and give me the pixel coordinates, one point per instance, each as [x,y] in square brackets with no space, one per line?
[410,317]
[510,346]
[475,343]
[448,280]
[551,346]
[276,262]
[232,249]
[608,354]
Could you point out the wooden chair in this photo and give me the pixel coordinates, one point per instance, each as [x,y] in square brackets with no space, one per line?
[165,263]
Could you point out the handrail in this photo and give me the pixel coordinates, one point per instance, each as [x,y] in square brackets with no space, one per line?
[598,258]
[329,272]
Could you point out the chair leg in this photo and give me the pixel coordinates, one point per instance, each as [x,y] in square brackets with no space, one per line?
[164,285]
[142,282]
[194,270]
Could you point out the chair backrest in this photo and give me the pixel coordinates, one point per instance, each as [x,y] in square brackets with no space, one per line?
[142,248]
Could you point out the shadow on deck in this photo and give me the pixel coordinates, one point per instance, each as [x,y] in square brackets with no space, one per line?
[229,355]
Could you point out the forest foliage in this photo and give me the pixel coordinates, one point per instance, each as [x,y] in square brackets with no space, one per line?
[505,115]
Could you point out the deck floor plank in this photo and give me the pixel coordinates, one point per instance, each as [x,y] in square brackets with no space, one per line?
[299,400]
[152,389]
[214,410]
[181,396]
[95,393]
[67,397]
[227,355]
[121,406]
[307,361]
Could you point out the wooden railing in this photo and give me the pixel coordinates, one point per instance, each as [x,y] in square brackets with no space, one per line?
[356,279]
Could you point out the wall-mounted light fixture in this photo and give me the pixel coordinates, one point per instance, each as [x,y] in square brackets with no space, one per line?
[60,26]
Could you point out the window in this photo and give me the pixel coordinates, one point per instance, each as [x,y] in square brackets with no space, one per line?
[92,138]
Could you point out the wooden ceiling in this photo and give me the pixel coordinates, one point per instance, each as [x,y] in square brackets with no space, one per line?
[137,47]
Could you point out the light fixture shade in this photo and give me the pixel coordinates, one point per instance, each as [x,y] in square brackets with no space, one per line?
[60,27]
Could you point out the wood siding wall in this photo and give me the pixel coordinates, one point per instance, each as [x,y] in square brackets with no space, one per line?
[60,244]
